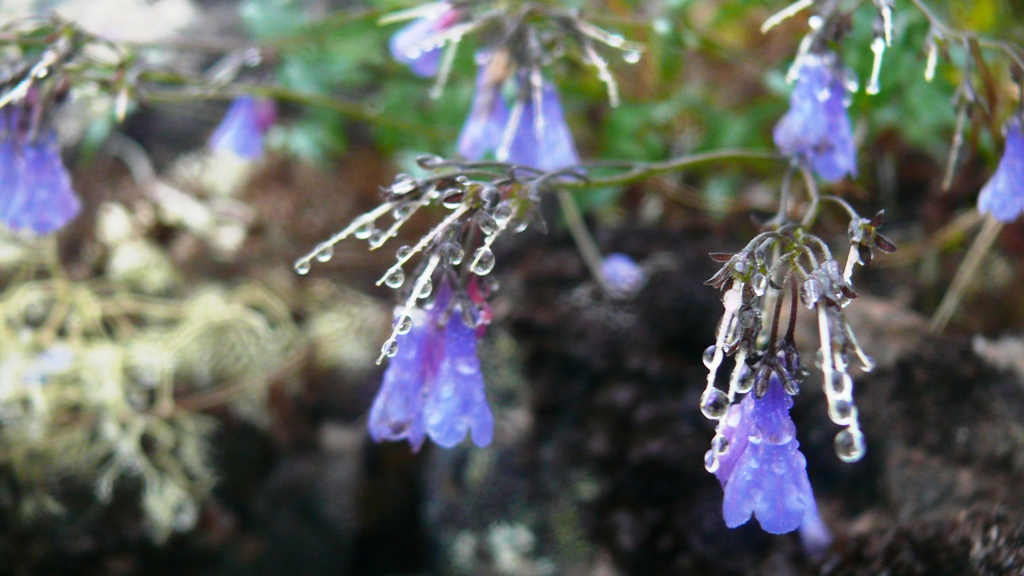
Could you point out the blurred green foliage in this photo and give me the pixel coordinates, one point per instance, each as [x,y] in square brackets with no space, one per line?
[709,79]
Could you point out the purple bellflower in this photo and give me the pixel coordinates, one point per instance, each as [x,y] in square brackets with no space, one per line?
[35,188]
[418,45]
[1003,195]
[762,471]
[543,142]
[433,385]
[242,129]
[485,125]
[529,137]
[816,130]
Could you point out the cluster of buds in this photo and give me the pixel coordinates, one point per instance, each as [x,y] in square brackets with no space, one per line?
[481,200]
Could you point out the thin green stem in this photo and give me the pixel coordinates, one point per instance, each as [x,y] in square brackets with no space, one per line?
[643,170]
[584,241]
[968,269]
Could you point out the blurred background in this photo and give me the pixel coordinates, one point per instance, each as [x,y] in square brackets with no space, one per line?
[196,407]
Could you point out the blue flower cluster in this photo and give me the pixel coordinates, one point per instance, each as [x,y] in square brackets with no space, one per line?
[433,385]
[35,187]
[532,133]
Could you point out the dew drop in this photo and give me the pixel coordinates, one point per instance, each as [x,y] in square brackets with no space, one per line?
[365,230]
[483,261]
[709,356]
[839,383]
[503,213]
[841,411]
[403,184]
[403,253]
[325,253]
[395,278]
[615,40]
[710,461]
[850,445]
[867,363]
[521,226]
[376,238]
[302,267]
[390,348]
[714,404]
[454,253]
[404,324]
[426,289]
[487,224]
[489,196]
[824,94]
[759,284]
[818,357]
[746,380]
[720,444]
[451,199]
[403,210]
[429,161]
[631,57]
[755,434]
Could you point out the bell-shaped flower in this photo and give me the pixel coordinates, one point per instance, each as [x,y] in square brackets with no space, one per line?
[35,187]
[531,135]
[433,385]
[243,127]
[485,125]
[542,139]
[816,130]
[1003,195]
[762,471]
[419,45]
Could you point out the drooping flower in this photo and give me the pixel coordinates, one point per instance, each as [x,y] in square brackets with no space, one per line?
[242,129]
[433,385]
[542,139]
[35,187]
[763,471]
[1003,195]
[418,45]
[526,136]
[816,130]
[485,125]
[622,274]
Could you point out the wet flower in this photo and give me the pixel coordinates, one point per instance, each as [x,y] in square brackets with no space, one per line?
[1003,196]
[433,385]
[418,45]
[242,129]
[816,130]
[35,185]
[622,274]
[762,469]
[485,125]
